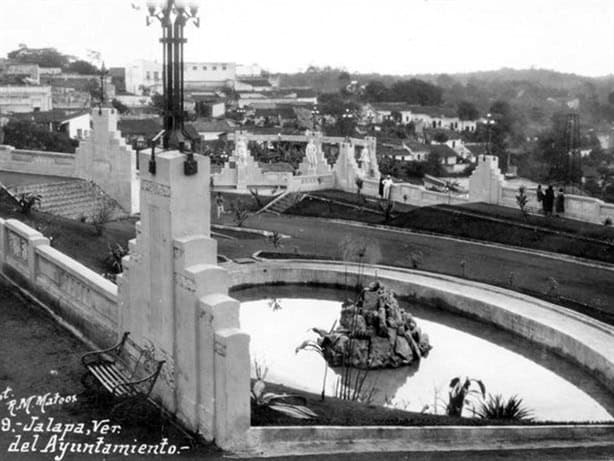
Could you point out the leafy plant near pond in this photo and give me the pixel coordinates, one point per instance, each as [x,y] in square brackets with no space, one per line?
[522,200]
[27,201]
[311,345]
[495,407]
[256,197]
[240,213]
[461,393]
[275,239]
[277,402]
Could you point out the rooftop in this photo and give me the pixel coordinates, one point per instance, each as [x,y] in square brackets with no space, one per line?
[54,115]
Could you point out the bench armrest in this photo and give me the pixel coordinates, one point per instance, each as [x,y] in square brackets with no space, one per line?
[85,358]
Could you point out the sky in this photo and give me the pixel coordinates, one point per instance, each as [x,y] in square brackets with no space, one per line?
[383,36]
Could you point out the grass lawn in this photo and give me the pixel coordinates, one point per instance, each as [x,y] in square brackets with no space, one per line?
[492,224]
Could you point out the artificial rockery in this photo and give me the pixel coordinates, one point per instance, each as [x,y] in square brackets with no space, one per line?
[374,332]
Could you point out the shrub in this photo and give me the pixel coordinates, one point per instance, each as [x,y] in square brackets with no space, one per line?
[495,407]
[113,260]
[239,213]
[522,201]
[102,216]
[27,201]
[275,239]
[607,222]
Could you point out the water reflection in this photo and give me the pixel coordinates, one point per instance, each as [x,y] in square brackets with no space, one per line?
[551,387]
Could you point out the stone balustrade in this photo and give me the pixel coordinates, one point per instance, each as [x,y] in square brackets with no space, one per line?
[77,294]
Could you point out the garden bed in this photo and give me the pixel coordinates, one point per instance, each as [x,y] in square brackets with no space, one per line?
[336,412]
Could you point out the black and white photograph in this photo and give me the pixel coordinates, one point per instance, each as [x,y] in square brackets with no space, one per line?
[337,230]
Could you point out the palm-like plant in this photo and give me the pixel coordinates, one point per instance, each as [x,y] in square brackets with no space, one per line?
[278,402]
[460,394]
[495,407]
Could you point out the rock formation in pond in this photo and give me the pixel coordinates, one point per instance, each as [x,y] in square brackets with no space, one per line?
[374,332]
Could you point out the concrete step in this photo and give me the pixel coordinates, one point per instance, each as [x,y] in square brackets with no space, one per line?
[73,199]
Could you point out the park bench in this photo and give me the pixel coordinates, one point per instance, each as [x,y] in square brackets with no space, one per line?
[124,371]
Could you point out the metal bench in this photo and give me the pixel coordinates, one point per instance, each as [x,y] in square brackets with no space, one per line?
[124,371]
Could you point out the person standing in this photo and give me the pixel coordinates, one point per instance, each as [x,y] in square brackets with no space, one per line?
[219,205]
[548,201]
[381,187]
[560,203]
[540,197]
[387,187]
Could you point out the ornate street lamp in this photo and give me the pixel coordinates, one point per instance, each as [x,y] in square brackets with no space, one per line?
[315,115]
[489,123]
[174,15]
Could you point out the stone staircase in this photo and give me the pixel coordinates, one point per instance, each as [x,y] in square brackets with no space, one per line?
[73,198]
[283,202]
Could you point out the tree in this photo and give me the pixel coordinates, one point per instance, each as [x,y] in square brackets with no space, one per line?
[24,134]
[416,91]
[440,137]
[44,57]
[82,67]
[376,91]
[433,165]
[467,111]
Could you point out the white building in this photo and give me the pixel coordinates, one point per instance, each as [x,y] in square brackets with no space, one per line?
[146,76]
[22,98]
[76,124]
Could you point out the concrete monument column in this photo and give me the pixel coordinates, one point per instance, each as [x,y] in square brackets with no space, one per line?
[105,158]
[174,301]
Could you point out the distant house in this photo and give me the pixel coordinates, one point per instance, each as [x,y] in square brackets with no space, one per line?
[139,129]
[212,129]
[420,116]
[278,116]
[452,139]
[206,105]
[408,151]
[76,125]
[253,84]
[24,98]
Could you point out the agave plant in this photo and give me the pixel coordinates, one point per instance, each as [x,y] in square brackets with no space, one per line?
[495,407]
[460,394]
[278,402]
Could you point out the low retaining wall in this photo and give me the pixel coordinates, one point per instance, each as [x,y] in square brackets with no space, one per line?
[585,341]
[305,440]
[81,297]
[37,162]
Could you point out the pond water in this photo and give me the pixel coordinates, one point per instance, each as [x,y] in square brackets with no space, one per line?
[279,319]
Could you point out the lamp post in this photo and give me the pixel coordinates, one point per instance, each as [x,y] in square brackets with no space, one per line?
[173,16]
[347,122]
[315,113]
[489,123]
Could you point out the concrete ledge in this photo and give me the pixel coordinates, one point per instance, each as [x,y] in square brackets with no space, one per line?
[305,440]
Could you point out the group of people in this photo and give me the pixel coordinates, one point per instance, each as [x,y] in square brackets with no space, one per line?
[550,202]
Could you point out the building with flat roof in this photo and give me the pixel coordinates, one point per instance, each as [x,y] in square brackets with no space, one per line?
[25,98]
